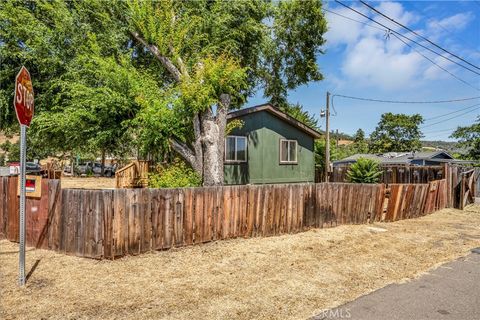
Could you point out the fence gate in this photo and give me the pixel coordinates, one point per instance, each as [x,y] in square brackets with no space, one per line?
[467,188]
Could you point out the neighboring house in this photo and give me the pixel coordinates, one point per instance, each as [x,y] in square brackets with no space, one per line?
[270,147]
[395,158]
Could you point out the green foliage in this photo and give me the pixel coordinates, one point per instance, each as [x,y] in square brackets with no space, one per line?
[290,49]
[364,171]
[359,145]
[469,138]
[174,175]
[46,37]
[296,111]
[233,124]
[97,88]
[80,63]
[225,47]
[13,150]
[211,77]
[396,133]
[359,142]
[336,152]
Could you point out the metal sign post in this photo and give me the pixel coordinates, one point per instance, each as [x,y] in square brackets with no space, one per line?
[23,103]
[21,258]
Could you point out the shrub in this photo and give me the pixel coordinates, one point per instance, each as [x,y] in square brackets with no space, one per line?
[364,171]
[174,175]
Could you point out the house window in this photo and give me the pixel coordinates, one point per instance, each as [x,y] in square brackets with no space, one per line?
[236,149]
[288,151]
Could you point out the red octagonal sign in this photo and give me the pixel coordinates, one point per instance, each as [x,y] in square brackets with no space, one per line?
[23,100]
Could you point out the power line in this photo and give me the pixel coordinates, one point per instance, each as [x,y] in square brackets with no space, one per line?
[405,102]
[351,19]
[405,37]
[433,62]
[435,123]
[418,35]
[439,66]
[446,114]
[443,130]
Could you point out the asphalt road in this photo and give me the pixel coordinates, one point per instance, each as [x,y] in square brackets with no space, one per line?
[450,292]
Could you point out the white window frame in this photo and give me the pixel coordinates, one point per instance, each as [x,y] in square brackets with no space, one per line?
[246,149]
[288,151]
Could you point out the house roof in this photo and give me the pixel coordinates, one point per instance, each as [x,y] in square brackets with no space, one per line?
[279,114]
[398,157]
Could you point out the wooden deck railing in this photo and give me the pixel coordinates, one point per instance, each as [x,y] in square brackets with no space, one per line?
[133,175]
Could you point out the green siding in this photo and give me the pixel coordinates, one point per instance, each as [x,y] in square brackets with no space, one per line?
[264,132]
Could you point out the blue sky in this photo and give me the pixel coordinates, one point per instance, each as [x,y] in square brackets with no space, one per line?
[360,61]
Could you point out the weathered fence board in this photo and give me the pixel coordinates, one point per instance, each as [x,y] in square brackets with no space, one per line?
[113,223]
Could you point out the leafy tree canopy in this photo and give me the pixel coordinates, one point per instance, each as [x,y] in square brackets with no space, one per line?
[469,138]
[112,75]
[297,112]
[360,144]
[396,133]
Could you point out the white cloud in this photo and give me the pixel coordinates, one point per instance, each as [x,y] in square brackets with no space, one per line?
[453,23]
[396,11]
[371,60]
[433,72]
[341,30]
[372,63]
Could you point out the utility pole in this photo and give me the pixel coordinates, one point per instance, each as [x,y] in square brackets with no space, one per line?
[336,139]
[327,137]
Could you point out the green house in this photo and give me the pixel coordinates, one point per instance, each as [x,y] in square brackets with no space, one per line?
[270,147]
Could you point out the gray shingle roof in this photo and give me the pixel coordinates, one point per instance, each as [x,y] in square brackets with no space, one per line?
[395,157]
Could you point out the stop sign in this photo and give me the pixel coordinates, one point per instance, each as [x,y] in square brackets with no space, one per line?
[23,100]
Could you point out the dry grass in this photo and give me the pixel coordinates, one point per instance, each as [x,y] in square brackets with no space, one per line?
[285,277]
[88,183]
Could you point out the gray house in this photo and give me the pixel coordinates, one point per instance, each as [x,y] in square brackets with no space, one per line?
[270,147]
[431,158]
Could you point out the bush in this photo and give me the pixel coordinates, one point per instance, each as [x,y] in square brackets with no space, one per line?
[174,175]
[364,171]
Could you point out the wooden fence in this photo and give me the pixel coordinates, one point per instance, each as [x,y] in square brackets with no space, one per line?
[394,174]
[113,223]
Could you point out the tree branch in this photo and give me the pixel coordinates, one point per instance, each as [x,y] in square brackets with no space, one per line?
[187,154]
[222,110]
[221,121]
[197,142]
[164,60]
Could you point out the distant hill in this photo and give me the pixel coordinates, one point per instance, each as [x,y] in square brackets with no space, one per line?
[449,146]
[341,135]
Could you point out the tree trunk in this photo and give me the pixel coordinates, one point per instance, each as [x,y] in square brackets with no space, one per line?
[212,158]
[206,152]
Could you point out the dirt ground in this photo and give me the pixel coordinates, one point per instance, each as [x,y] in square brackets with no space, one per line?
[88,183]
[284,277]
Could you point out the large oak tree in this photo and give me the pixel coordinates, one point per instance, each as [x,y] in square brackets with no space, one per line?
[218,52]
[155,74]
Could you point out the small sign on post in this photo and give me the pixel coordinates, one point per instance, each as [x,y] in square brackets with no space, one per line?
[24,108]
